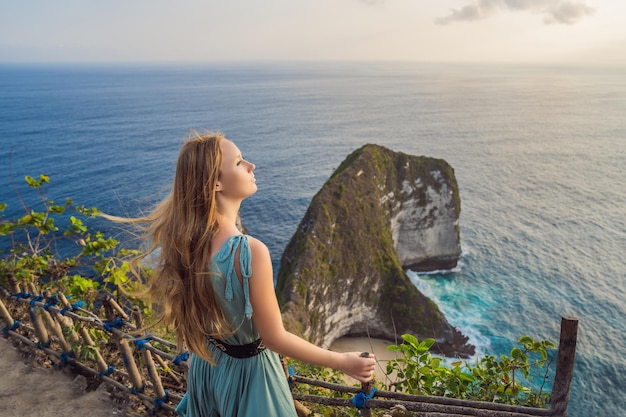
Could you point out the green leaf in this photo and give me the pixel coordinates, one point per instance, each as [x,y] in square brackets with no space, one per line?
[6,228]
[466,377]
[76,225]
[410,339]
[525,339]
[516,353]
[57,209]
[26,219]
[117,277]
[83,284]
[31,181]
[394,348]
[427,343]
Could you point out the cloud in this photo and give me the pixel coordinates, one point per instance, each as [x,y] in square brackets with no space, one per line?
[554,11]
[568,12]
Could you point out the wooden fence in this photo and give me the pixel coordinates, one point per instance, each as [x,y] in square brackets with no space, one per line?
[152,369]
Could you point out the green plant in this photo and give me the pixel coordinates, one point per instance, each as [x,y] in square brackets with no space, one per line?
[500,380]
[505,380]
[417,371]
[85,351]
[52,248]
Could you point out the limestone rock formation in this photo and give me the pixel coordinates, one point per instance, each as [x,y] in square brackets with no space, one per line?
[342,272]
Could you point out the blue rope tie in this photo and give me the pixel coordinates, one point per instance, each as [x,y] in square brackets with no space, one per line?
[20,294]
[15,325]
[43,345]
[138,390]
[360,399]
[34,300]
[181,358]
[158,402]
[290,380]
[64,358]
[53,302]
[141,342]
[73,307]
[117,323]
[106,372]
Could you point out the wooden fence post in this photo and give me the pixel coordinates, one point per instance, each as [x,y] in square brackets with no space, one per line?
[5,315]
[67,324]
[13,284]
[564,366]
[147,357]
[366,387]
[54,325]
[40,328]
[40,318]
[88,341]
[122,345]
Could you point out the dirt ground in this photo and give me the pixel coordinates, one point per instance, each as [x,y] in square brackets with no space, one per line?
[30,390]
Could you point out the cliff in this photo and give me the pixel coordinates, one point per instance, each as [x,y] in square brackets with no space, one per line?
[342,272]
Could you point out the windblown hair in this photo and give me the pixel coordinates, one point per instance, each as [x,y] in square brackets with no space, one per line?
[181,229]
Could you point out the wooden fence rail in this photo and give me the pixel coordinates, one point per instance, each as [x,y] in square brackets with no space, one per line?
[154,370]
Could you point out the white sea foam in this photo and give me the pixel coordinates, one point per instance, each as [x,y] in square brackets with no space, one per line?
[466,324]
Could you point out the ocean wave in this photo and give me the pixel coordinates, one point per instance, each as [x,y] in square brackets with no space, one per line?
[466,324]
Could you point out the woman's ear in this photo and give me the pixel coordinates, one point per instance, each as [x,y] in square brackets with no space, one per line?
[218,186]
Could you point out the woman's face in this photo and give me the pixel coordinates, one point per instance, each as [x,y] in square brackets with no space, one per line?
[237,175]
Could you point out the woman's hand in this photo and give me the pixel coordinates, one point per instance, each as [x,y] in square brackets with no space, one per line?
[358,367]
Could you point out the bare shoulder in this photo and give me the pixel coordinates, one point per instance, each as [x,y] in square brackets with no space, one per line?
[257,247]
[261,260]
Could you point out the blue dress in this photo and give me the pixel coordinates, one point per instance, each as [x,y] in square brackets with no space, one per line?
[233,387]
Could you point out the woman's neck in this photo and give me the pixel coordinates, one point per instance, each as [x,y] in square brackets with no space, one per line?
[228,220]
[228,215]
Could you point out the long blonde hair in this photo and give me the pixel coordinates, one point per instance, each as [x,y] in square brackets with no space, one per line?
[182,227]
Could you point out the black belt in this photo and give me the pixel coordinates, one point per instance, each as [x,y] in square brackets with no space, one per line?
[239,351]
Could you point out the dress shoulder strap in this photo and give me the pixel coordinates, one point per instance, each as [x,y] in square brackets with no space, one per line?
[227,256]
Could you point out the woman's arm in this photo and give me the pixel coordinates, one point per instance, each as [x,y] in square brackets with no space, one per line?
[268,321]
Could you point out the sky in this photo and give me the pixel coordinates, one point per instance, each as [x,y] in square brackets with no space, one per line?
[586,31]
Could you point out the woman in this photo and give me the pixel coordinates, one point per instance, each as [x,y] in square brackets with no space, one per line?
[217,289]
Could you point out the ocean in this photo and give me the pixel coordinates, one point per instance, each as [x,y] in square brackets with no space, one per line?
[538,151]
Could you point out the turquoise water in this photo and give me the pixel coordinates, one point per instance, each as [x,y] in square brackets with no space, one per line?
[538,152]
